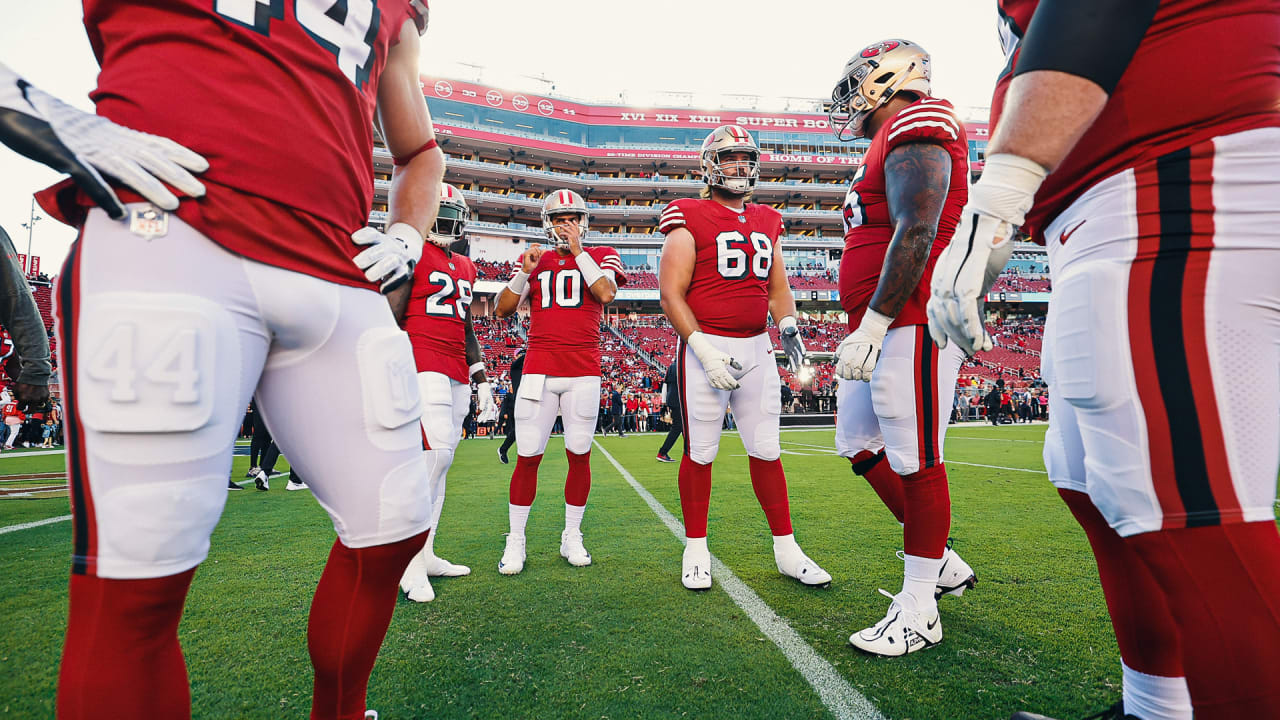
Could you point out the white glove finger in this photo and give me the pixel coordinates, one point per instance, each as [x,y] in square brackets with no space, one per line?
[366,236]
[171,173]
[179,154]
[972,324]
[381,269]
[936,330]
[368,257]
[131,173]
[394,281]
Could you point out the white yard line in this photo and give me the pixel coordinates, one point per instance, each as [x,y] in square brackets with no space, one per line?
[997,467]
[839,697]
[37,523]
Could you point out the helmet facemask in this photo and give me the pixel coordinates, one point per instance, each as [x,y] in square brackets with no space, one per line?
[871,78]
[451,223]
[549,226]
[714,167]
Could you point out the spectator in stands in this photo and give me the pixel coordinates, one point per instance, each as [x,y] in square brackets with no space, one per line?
[672,396]
[615,409]
[29,365]
[13,418]
[48,434]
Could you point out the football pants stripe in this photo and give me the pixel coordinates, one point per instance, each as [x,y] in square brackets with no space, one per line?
[1189,467]
[684,395]
[84,532]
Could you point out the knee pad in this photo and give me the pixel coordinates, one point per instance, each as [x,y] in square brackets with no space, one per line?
[405,500]
[437,411]
[157,377]
[389,388]
[580,416]
[857,427]
[893,388]
[156,529]
[439,468]
[763,442]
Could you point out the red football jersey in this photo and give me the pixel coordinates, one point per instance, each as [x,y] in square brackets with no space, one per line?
[279,97]
[1204,68]
[11,410]
[868,229]
[729,291]
[564,317]
[437,313]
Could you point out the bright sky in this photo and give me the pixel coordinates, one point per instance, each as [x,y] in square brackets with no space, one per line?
[615,52]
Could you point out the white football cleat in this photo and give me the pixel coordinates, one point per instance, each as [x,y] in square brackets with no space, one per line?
[696,570]
[903,629]
[793,563]
[295,485]
[260,481]
[414,574]
[512,561]
[955,576]
[439,567]
[572,549]
[423,593]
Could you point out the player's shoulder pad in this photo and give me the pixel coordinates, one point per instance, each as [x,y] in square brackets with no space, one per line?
[929,120]
[675,214]
[608,259]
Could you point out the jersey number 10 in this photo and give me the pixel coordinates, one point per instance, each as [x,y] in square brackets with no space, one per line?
[565,286]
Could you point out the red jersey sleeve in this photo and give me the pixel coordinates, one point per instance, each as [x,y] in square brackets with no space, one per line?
[673,216]
[930,120]
[608,259]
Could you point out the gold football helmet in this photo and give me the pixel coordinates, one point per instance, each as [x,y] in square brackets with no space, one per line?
[727,139]
[873,76]
[561,202]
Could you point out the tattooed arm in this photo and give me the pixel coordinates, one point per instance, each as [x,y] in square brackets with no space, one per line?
[917,177]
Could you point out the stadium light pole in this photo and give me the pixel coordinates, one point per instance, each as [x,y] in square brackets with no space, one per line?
[30,225]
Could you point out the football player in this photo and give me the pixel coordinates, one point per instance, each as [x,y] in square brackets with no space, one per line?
[1163,336]
[567,289]
[720,279]
[437,315]
[895,389]
[265,280]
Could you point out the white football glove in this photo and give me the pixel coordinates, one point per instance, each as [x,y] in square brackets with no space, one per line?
[715,362]
[969,266]
[390,257]
[484,399]
[86,146]
[792,345]
[857,355]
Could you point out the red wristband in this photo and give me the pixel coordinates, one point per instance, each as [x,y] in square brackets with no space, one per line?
[401,161]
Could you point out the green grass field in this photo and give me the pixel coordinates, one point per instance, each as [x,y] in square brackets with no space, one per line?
[622,638]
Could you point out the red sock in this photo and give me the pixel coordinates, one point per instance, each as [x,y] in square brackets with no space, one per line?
[578,484]
[770,484]
[1222,583]
[882,479]
[121,658]
[349,618]
[1144,627]
[524,480]
[927,512]
[695,496]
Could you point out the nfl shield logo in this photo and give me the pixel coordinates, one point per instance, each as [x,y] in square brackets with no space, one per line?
[148,221]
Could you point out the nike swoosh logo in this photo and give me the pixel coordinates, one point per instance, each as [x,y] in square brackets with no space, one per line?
[1068,233]
[930,626]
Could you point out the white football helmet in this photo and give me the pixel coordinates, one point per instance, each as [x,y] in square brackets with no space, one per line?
[870,78]
[726,139]
[451,220]
[562,202]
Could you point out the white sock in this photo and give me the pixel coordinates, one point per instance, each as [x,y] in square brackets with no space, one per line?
[920,578]
[785,543]
[573,516]
[697,544]
[519,517]
[1152,697]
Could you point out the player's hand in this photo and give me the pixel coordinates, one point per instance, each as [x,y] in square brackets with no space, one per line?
[715,362]
[857,355]
[573,238]
[390,257]
[484,399]
[979,250]
[87,146]
[530,259]
[792,345]
[31,398]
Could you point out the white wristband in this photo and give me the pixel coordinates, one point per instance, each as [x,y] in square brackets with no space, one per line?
[518,282]
[787,322]
[874,322]
[475,368]
[591,272]
[1007,187]
[411,237]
